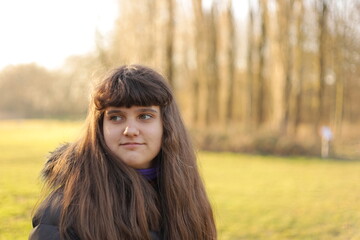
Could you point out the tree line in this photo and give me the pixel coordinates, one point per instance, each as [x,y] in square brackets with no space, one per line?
[286,67]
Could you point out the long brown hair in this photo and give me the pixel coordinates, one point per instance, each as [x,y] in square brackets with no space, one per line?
[105,199]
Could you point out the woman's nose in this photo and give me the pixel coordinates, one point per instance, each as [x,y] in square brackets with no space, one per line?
[131,131]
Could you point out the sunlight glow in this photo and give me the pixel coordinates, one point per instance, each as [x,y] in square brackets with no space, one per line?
[46,32]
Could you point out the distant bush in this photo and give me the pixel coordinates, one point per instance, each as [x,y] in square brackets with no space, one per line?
[272,144]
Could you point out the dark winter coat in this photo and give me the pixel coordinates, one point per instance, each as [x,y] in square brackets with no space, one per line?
[47,217]
[46,221]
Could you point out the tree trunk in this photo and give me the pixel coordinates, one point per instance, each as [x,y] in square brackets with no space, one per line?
[231,62]
[285,13]
[249,108]
[299,65]
[339,61]
[170,43]
[261,112]
[199,51]
[212,73]
[322,24]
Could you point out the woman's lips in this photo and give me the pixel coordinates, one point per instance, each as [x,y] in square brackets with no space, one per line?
[131,144]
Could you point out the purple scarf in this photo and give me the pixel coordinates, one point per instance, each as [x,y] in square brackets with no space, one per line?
[149,173]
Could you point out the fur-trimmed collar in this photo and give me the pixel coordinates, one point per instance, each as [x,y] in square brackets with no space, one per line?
[48,172]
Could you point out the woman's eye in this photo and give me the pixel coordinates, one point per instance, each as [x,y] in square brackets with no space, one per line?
[116,118]
[145,116]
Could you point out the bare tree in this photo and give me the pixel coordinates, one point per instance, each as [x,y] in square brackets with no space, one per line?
[299,61]
[322,32]
[211,73]
[249,112]
[169,69]
[261,78]
[285,14]
[101,50]
[199,51]
[230,61]
[134,38]
[345,19]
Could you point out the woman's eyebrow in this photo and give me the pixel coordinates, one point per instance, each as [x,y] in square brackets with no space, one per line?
[113,111]
[147,110]
[141,110]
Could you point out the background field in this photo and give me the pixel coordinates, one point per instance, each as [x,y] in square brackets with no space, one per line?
[254,197]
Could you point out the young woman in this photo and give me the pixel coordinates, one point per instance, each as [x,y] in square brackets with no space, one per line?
[131,175]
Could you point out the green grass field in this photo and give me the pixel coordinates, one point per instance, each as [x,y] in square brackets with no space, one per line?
[254,197]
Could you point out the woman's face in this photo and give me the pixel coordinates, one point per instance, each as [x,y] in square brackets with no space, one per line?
[134,134]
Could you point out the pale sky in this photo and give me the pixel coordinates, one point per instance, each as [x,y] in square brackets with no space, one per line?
[47,31]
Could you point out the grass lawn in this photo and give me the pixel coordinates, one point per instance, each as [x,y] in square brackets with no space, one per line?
[254,197]
[257,197]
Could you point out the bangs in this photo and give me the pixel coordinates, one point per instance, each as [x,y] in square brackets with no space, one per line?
[135,86]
